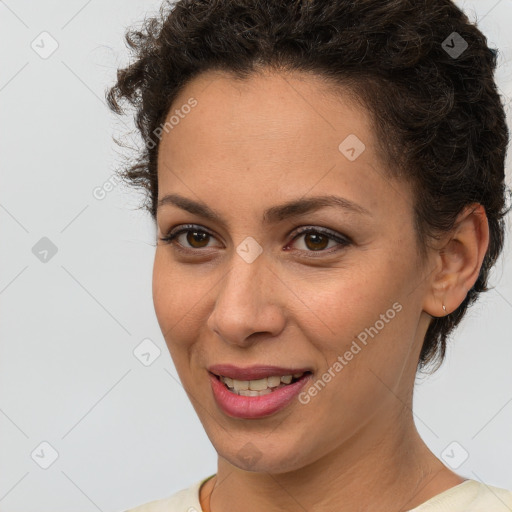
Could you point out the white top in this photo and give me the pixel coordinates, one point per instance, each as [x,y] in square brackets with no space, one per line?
[469,496]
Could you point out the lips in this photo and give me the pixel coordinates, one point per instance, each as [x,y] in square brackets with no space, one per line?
[254,372]
[253,405]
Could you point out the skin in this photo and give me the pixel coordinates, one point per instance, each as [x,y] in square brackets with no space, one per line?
[251,145]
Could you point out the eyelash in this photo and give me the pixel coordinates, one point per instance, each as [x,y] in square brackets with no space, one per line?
[343,241]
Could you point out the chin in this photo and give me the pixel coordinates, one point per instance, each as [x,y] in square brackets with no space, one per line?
[266,453]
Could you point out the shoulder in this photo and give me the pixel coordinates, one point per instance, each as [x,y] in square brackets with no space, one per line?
[184,500]
[494,499]
[469,496]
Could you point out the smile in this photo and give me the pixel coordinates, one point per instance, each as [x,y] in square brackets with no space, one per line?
[259,387]
[266,393]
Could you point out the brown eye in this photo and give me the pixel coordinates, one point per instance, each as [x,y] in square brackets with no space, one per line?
[196,239]
[317,240]
[189,237]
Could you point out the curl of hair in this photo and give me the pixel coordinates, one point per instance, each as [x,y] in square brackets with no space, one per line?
[439,120]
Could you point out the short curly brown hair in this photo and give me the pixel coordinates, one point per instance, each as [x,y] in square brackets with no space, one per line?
[421,68]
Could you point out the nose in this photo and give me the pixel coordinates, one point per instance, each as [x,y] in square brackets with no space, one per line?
[247,306]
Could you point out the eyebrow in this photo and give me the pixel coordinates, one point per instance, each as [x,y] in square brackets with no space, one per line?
[272,215]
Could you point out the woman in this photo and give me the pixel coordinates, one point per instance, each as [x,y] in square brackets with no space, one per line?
[327,180]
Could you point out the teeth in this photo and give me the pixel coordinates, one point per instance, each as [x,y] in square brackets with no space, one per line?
[250,392]
[258,387]
[241,385]
[273,382]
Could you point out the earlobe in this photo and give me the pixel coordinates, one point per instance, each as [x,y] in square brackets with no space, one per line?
[459,260]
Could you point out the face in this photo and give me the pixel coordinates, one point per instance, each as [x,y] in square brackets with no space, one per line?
[332,289]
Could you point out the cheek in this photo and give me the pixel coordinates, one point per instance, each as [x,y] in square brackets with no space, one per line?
[182,297]
[174,296]
[162,290]
[360,363]
[342,304]
[361,317]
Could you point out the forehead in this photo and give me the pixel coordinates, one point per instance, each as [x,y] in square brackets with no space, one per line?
[290,116]
[271,136]
[267,109]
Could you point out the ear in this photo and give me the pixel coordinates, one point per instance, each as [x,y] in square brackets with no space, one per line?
[458,261]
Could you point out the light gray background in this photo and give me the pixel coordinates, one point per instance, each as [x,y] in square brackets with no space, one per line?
[126,433]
